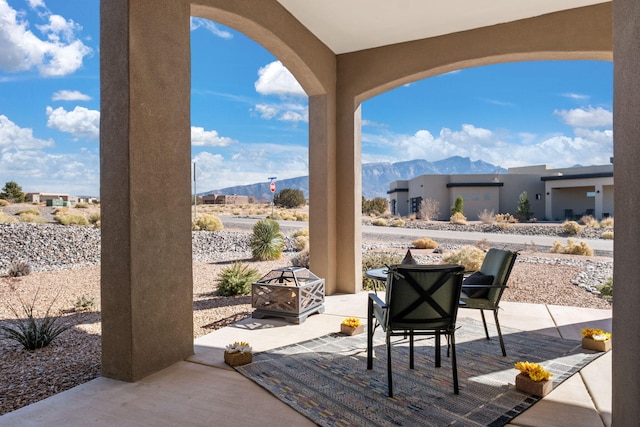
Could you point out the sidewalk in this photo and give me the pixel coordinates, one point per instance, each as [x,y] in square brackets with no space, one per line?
[204,391]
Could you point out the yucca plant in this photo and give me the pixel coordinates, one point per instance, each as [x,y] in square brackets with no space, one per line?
[32,332]
[237,279]
[266,241]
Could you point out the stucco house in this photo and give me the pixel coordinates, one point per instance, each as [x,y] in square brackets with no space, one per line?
[554,194]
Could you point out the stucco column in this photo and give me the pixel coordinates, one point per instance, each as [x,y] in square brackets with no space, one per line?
[145,157]
[322,188]
[626,110]
[349,192]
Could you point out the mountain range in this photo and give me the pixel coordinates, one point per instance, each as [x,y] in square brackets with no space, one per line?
[376,177]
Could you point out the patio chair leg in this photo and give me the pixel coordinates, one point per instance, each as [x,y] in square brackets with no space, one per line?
[495,315]
[484,322]
[438,350]
[410,349]
[389,374]
[454,364]
[370,331]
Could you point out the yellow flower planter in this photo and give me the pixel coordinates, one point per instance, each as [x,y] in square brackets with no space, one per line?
[348,330]
[537,388]
[591,344]
[237,359]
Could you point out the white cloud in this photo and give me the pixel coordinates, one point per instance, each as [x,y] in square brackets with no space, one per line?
[210,26]
[14,138]
[286,112]
[576,96]
[210,138]
[586,147]
[80,122]
[275,79]
[586,117]
[70,95]
[58,54]
[250,164]
[23,159]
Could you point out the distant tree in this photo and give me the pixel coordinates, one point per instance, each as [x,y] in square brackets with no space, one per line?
[12,192]
[289,198]
[377,204]
[458,206]
[523,212]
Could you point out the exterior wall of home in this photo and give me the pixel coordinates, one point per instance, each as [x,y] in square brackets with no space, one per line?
[209,199]
[232,200]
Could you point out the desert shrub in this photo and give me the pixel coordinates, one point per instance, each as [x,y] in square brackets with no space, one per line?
[378,204]
[425,243]
[607,222]
[469,256]
[71,219]
[372,260]
[429,209]
[207,223]
[487,216]
[397,222]
[29,217]
[266,241]
[380,222]
[31,331]
[82,205]
[302,216]
[606,289]
[94,218]
[301,259]
[506,218]
[4,218]
[571,227]
[458,218]
[289,198]
[607,235]
[572,248]
[275,216]
[236,212]
[458,206]
[18,268]
[31,211]
[483,244]
[301,239]
[4,202]
[237,279]
[84,303]
[589,221]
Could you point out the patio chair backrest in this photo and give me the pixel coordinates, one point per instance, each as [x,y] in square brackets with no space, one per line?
[423,297]
[498,263]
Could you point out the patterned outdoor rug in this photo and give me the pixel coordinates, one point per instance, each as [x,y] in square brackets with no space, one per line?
[326,378]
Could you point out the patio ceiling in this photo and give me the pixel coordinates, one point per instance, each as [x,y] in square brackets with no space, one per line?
[352,25]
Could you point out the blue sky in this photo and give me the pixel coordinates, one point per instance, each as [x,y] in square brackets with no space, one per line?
[249,116]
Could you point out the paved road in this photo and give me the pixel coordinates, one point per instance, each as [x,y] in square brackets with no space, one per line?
[409,234]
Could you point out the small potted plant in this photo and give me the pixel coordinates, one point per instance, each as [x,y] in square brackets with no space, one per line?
[351,326]
[238,353]
[533,379]
[596,339]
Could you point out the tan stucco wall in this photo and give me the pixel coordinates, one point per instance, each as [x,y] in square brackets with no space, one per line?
[626,137]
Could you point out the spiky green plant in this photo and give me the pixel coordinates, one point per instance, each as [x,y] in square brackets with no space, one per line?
[29,330]
[237,279]
[267,242]
[84,303]
[19,268]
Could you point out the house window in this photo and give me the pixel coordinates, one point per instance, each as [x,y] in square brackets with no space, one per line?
[591,194]
[415,204]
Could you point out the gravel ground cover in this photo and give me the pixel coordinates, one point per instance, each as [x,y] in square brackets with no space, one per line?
[74,357]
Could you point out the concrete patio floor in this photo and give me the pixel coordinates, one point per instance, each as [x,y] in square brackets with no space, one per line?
[204,391]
